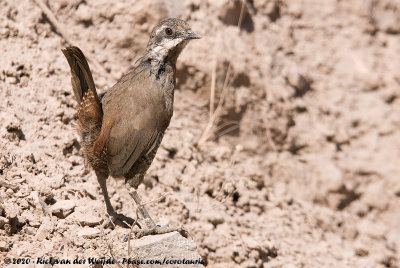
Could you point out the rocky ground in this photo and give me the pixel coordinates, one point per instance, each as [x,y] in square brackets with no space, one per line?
[302,166]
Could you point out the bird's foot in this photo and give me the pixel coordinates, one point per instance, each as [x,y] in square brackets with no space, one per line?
[118,219]
[123,219]
[151,229]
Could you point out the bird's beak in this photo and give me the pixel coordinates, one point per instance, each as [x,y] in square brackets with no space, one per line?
[192,35]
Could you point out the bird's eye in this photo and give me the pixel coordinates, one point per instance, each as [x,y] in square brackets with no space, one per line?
[168,31]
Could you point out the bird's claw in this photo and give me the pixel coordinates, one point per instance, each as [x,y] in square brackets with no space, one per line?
[119,219]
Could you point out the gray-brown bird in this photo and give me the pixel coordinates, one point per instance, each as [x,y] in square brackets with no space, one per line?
[122,131]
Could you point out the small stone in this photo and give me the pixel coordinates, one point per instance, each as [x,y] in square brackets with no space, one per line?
[36,152]
[34,198]
[375,196]
[300,82]
[59,112]
[251,242]
[34,222]
[360,208]
[61,225]
[78,241]
[12,123]
[249,263]
[215,218]
[3,221]
[361,252]
[86,219]
[373,229]
[170,246]
[90,189]
[239,147]
[393,239]
[229,188]
[3,246]
[21,221]
[21,252]
[75,160]
[11,210]
[89,233]
[209,243]
[23,203]
[63,208]
[46,193]
[45,229]
[9,192]
[83,13]
[57,181]
[11,80]
[91,220]
[10,229]
[31,231]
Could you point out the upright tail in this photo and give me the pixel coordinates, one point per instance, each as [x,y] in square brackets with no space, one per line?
[90,113]
[82,80]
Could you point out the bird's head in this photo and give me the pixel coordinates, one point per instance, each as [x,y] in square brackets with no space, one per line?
[168,39]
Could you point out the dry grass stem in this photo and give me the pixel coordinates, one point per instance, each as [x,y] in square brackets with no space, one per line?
[212,93]
[214,115]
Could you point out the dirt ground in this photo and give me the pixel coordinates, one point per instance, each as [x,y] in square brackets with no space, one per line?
[301,170]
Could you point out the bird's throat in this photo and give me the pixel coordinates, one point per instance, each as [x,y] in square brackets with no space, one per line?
[165,53]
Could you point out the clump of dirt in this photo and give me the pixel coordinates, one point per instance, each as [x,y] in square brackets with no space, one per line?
[299,170]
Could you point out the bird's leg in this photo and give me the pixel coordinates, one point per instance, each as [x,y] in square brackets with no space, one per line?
[150,227]
[101,178]
[148,220]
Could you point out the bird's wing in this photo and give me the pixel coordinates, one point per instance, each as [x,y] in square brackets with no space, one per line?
[125,150]
[132,115]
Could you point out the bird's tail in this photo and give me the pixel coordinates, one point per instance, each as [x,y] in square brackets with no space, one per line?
[90,113]
[82,80]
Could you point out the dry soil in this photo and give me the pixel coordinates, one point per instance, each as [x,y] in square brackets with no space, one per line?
[301,170]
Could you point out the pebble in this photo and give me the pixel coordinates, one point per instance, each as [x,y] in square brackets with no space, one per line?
[3,246]
[86,219]
[215,218]
[3,221]
[83,13]
[21,252]
[9,192]
[89,233]
[44,230]
[57,181]
[63,208]
[170,245]
[393,239]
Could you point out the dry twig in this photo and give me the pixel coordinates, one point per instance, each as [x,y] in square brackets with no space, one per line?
[60,29]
